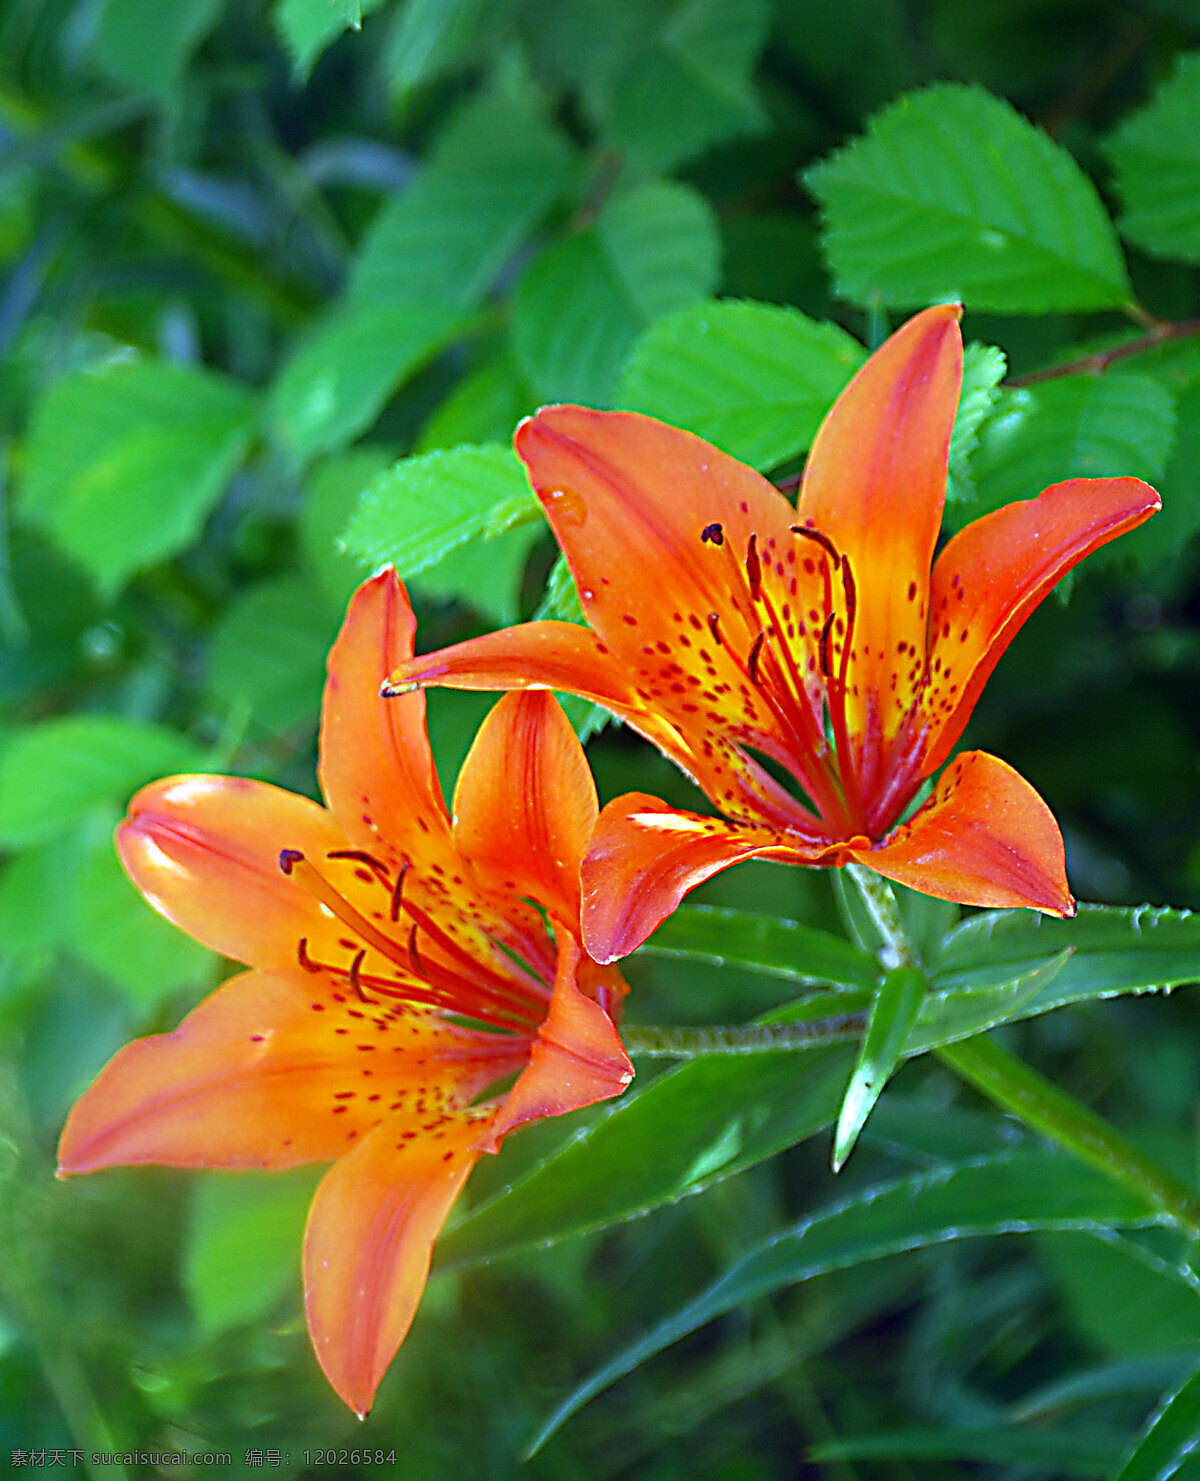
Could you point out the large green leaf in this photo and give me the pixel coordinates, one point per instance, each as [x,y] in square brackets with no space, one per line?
[309,26]
[424,507]
[430,37]
[177,28]
[340,379]
[952,194]
[1080,426]
[753,378]
[1156,153]
[124,463]
[580,306]
[51,774]
[1011,1192]
[493,174]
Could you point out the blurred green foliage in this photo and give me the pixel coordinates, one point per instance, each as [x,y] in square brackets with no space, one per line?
[279,277]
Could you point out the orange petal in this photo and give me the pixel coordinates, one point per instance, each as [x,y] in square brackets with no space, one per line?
[875,485]
[367,1248]
[993,574]
[376,768]
[543,655]
[576,1060]
[525,803]
[267,1072]
[629,499]
[645,856]
[204,850]
[985,837]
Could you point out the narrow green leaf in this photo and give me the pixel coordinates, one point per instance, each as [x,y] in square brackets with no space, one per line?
[763,943]
[124,463]
[580,306]
[1011,1192]
[753,378]
[424,507]
[958,1014]
[1114,951]
[893,1015]
[951,194]
[1080,426]
[1066,1451]
[268,653]
[178,29]
[1156,155]
[340,379]
[494,172]
[243,1250]
[1172,1434]
[52,773]
[307,27]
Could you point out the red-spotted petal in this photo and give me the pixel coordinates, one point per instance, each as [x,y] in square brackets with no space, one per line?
[576,1060]
[656,526]
[367,1248]
[875,485]
[645,857]
[993,574]
[204,850]
[525,803]
[985,837]
[376,768]
[269,1071]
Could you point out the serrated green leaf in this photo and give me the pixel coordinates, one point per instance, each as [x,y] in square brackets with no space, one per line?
[485,574]
[1161,539]
[1170,1436]
[428,39]
[52,773]
[34,888]
[983,370]
[689,83]
[424,507]
[763,943]
[1156,156]
[561,599]
[753,378]
[178,29]
[495,171]
[268,653]
[116,932]
[243,1250]
[1079,426]
[1009,1192]
[123,464]
[951,194]
[580,306]
[337,383]
[307,27]
[485,406]
[893,1016]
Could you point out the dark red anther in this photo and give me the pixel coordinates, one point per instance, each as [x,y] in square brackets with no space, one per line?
[826,635]
[851,598]
[355,971]
[303,957]
[823,541]
[289,858]
[714,627]
[413,952]
[713,533]
[752,660]
[398,890]
[753,568]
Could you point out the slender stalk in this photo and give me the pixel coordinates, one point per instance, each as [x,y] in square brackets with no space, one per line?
[652,1041]
[1017,1088]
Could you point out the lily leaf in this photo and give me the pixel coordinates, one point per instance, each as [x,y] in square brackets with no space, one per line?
[1011,1192]
[893,1017]
[1169,1437]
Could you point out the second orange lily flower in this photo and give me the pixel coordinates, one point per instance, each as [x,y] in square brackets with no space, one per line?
[823,643]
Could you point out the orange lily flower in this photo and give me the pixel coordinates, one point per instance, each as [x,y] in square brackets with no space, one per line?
[400,975]
[729,628]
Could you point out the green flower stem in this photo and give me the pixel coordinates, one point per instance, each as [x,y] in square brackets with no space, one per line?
[1017,1088]
[651,1041]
